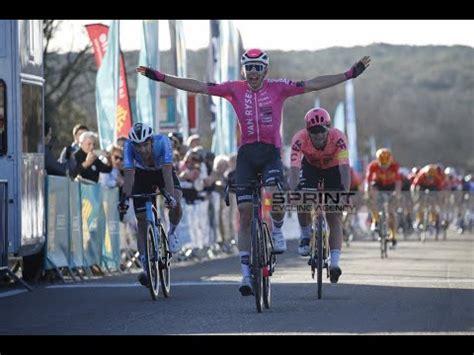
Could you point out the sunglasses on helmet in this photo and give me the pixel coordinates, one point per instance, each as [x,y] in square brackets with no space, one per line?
[257,67]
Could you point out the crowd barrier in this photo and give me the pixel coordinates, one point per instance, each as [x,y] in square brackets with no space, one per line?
[82,225]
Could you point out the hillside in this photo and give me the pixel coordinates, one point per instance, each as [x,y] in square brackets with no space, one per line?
[417,99]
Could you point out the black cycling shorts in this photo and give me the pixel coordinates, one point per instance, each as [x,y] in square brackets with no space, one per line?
[311,175]
[144,182]
[254,159]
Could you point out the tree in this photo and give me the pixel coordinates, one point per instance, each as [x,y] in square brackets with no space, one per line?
[68,78]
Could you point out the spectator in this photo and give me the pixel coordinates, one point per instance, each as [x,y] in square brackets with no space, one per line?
[193,141]
[121,141]
[74,147]
[89,165]
[115,177]
[219,210]
[192,176]
[52,166]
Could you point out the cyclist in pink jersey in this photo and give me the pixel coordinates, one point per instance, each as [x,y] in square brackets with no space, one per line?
[258,103]
[320,152]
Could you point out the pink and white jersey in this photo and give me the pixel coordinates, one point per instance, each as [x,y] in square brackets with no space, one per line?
[333,154]
[259,112]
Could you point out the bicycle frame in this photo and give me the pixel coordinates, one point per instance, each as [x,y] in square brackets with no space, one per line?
[319,245]
[383,199]
[157,256]
[262,259]
[154,219]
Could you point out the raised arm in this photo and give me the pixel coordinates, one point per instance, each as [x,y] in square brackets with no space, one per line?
[191,85]
[326,81]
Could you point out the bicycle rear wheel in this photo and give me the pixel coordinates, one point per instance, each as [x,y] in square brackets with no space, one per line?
[152,262]
[267,267]
[164,264]
[320,258]
[383,235]
[424,232]
[257,266]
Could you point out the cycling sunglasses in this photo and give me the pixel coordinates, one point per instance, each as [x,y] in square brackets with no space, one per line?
[257,67]
[318,129]
[142,144]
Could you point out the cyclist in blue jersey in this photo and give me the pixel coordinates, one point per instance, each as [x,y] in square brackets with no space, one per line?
[148,163]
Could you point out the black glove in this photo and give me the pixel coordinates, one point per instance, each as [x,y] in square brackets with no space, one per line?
[154,74]
[355,70]
[122,206]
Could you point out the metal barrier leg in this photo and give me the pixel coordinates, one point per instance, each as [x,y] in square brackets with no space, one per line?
[11,274]
[58,272]
[106,266]
[68,270]
[78,272]
[87,272]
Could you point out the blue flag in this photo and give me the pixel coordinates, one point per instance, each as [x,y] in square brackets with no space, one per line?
[177,36]
[351,126]
[225,66]
[147,93]
[214,76]
[317,102]
[106,91]
[339,119]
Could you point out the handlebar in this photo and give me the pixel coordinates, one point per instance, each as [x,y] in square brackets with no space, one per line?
[162,192]
[253,184]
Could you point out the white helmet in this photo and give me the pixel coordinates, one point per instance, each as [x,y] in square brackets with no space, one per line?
[140,132]
[254,55]
[450,171]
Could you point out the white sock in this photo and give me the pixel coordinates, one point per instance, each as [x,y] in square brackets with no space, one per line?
[277,224]
[335,254]
[305,231]
[245,267]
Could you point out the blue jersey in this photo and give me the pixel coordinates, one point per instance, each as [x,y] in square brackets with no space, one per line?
[162,154]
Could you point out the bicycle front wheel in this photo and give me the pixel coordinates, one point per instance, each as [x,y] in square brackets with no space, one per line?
[152,262]
[383,235]
[267,267]
[257,266]
[320,259]
[164,264]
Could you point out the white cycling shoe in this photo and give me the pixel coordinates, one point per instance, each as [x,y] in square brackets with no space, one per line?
[279,242]
[303,248]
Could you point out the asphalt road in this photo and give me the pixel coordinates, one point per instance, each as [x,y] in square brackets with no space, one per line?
[420,289]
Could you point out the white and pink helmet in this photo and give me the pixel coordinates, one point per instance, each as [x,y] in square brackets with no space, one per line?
[317,117]
[254,55]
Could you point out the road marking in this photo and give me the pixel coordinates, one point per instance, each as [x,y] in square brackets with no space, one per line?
[233,283]
[11,293]
[334,333]
[375,281]
[136,284]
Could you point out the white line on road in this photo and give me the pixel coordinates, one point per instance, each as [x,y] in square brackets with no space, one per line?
[11,293]
[136,284]
[219,283]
